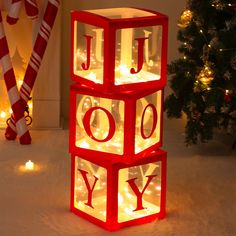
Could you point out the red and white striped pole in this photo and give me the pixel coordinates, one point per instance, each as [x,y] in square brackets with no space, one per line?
[13,94]
[31,8]
[14,11]
[35,59]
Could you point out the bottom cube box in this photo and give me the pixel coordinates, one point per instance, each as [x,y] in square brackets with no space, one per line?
[112,194]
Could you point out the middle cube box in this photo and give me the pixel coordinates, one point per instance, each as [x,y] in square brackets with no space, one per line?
[115,125]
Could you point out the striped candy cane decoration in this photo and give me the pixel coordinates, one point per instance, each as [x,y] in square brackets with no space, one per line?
[31,8]
[12,90]
[14,11]
[36,58]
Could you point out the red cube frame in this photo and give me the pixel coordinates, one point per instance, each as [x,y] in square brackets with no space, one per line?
[129,99]
[111,222]
[110,27]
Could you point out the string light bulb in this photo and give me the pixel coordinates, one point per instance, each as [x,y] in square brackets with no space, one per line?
[3,114]
[227,96]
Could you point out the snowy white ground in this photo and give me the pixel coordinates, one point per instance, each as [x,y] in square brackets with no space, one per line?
[201,189]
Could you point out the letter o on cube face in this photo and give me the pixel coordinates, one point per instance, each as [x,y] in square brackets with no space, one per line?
[87,125]
[154,124]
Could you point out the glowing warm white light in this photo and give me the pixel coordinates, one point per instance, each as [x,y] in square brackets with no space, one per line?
[158,188]
[84,144]
[29,165]
[115,146]
[123,75]
[20,82]
[120,199]
[92,76]
[5,107]
[3,114]
[30,104]
[124,70]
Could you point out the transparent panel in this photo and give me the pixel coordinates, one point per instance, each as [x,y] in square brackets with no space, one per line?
[88,52]
[90,188]
[100,124]
[117,13]
[139,191]
[148,121]
[138,55]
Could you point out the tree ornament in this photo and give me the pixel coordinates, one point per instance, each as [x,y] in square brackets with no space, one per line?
[185,18]
[227,96]
[206,74]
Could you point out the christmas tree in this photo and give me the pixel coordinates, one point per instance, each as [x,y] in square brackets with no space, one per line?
[203,80]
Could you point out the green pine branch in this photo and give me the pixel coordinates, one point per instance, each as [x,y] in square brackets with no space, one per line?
[209,37]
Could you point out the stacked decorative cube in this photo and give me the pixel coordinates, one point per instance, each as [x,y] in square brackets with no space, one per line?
[118,64]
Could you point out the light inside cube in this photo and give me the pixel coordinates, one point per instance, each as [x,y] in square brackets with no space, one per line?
[148,121]
[137,50]
[104,129]
[90,188]
[138,55]
[5,106]
[122,12]
[88,52]
[146,180]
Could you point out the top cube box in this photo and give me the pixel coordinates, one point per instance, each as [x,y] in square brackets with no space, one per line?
[119,49]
